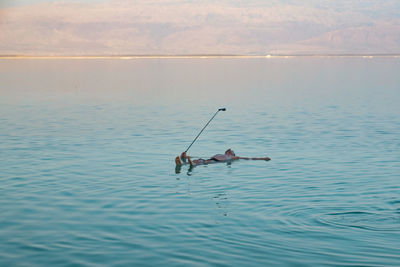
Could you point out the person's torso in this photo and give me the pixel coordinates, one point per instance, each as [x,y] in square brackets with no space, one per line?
[221,157]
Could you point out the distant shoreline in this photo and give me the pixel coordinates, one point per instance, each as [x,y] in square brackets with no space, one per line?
[192,56]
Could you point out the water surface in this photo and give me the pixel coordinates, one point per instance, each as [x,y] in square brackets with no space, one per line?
[87,174]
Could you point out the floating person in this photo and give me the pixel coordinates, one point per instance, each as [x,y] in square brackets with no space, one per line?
[228,156]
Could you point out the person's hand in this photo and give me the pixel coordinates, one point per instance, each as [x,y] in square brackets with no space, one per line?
[183,155]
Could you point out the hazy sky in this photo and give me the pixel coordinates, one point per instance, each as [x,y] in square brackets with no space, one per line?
[88,27]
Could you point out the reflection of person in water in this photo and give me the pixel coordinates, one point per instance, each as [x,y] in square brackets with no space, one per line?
[228,156]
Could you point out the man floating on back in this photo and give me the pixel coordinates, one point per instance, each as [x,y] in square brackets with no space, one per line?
[227,157]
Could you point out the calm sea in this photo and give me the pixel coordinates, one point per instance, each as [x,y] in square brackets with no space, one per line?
[87,173]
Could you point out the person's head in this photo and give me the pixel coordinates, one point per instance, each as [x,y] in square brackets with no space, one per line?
[230,152]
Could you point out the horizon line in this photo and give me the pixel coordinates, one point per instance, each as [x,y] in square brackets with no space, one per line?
[155,56]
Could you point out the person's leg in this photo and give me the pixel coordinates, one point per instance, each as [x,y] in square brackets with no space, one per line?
[178,162]
[196,162]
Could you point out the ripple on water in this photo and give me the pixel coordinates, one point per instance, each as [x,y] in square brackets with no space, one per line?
[373,221]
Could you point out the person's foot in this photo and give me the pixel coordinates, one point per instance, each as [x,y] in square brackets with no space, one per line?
[178,162]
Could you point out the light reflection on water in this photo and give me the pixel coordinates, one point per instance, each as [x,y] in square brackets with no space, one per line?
[87,172]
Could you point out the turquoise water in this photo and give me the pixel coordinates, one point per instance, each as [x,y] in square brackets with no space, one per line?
[87,175]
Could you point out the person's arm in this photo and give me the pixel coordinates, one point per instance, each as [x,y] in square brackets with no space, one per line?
[236,157]
[246,158]
[265,158]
